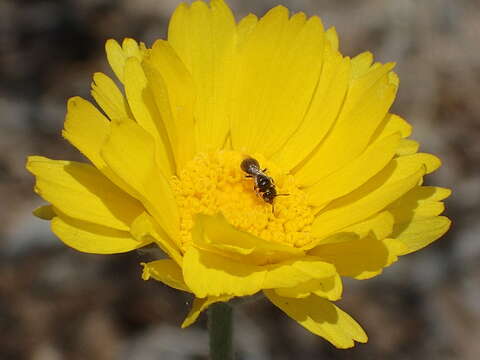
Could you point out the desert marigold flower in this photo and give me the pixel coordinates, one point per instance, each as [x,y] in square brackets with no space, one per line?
[166,153]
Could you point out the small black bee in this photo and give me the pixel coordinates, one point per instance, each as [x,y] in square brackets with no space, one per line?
[264,185]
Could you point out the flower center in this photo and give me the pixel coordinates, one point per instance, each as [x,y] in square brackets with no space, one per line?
[214,183]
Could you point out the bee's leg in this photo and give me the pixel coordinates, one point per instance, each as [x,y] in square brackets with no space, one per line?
[249,176]
[265,170]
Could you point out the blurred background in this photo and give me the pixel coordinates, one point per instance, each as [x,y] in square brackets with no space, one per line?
[56,303]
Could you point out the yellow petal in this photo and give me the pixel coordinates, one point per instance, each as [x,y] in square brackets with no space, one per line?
[133,49]
[174,94]
[117,55]
[338,237]
[379,225]
[224,269]
[278,69]
[417,234]
[204,38]
[291,273]
[91,238]
[245,28]
[179,32]
[407,147]
[130,153]
[86,128]
[406,164]
[214,236]
[166,271]
[420,202]
[332,37]
[45,212]
[355,173]
[365,106]
[82,192]
[109,97]
[144,228]
[360,259]
[200,305]
[322,318]
[329,288]
[322,113]
[141,100]
[208,274]
[392,124]
[361,64]
[217,235]
[379,192]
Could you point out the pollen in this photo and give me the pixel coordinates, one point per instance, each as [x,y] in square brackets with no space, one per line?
[213,183]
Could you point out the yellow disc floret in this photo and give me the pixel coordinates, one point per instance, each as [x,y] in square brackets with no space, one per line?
[214,183]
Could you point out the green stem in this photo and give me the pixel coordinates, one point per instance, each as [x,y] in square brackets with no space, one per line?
[220,329]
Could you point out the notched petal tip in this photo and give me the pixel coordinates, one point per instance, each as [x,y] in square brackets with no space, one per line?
[127,42]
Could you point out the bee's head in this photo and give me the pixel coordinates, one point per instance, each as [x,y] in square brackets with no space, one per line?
[249,165]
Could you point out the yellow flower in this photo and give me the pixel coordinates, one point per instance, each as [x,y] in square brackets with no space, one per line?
[166,150]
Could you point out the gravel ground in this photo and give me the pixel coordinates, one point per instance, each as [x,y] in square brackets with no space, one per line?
[56,303]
